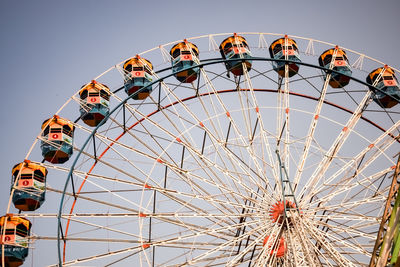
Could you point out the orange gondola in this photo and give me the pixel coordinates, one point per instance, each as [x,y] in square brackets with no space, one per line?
[94,105]
[336,59]
[138,77]
[14,235]
[57,138]
[185,55]
[236,47]
[285,49]
[385,80]
[29,181]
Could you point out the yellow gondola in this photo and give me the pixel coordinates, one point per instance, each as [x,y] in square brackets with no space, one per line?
[14,235]
[185,55]
[285,49]
[236,47]
[57,140]
[138,77]
[30,189]
[338,58]
[385,80]
[94,105]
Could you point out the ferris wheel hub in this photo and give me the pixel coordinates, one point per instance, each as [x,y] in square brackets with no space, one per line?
[277,211]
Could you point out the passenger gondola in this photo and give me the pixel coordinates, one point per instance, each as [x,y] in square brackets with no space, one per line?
[285,49]
[185,55]
[138,77]
[94,105]
[14,235]
[336,59]
[29,183]
[57,138]
[385,80]
[236,47]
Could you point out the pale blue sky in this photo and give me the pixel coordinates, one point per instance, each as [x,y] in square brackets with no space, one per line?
[50,48]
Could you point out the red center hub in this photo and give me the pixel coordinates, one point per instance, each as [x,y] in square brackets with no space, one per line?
[277,210]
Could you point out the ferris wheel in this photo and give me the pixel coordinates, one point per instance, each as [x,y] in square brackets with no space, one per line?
[248,149]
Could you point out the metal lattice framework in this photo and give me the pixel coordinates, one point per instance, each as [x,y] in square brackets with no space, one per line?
[191,175]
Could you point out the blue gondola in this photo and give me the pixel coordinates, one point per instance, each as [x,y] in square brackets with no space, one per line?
[385,80]
[285,49]
[236,47]
[57,139]
[185,55]
[138,74]
[29,183]
[14,233]
[94,106]
[338,58]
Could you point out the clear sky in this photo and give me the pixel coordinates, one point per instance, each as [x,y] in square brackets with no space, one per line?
[49,48]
